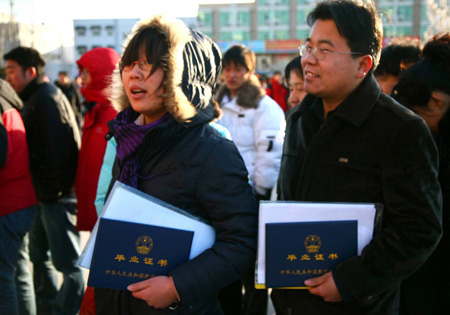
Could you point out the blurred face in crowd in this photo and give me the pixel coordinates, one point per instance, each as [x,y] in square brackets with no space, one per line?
[144,91]
[433,113]
[77,81]
[337,75]
[278,78]
[387,82]
[17,77]
[85,77]
[235,77]
[296,90]
[63,79]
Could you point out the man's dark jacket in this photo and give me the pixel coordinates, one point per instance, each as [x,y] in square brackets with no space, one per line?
[369,150]
[73,94]
[53,139]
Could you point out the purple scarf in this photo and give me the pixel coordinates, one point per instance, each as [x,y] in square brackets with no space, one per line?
[129,137]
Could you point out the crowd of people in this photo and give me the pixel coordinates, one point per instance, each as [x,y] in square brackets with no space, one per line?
[350,121]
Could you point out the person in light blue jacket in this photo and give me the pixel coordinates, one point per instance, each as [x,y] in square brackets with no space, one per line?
[105,177]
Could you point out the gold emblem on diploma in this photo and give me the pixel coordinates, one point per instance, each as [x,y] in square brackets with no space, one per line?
[313,243]
[144,244]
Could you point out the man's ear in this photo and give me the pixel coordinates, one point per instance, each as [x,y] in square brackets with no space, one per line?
[365,64]
[31,72]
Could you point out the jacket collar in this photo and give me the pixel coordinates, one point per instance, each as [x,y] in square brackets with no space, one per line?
[29,90]
[355,108]
[249,94]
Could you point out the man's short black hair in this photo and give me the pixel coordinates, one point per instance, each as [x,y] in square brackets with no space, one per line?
[240,55]
[356,21]
[395,58]
[64,73]
[27,57]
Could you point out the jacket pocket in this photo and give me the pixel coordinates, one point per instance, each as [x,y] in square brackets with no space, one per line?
[345,179]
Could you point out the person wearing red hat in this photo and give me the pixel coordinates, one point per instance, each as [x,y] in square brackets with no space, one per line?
[96,66]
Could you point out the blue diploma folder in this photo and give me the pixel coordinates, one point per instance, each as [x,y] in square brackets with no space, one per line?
[299,251]
[127,253]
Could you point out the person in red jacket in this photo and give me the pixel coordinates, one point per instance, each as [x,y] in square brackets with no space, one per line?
[278,91]
[96,66]
[17,208]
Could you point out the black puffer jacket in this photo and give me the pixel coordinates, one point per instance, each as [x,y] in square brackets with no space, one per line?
[53,139]
[185,162]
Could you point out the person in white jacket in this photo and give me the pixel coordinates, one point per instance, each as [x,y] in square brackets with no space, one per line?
[255,121]
[257,124]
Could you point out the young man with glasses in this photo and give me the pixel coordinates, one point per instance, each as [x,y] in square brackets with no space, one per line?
[348,142]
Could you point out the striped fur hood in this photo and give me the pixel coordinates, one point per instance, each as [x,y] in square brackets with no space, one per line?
[192,66]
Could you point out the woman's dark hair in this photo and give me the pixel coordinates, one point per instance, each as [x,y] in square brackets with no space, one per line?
[293,65]
[356,21]
[155,44]
[395,58]
[431,73]
[240,55]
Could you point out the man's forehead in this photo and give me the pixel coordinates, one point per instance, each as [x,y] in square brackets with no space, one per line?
[325,32]
[11,64]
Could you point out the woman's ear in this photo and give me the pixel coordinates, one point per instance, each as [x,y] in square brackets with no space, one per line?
[365,64]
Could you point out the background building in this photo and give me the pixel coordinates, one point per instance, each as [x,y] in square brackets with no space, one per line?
[110,33]
[275,28]
[286,19]
[55,47]
[90,34]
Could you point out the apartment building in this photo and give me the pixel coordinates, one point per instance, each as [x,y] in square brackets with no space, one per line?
[110,33]
[275,28]
[286,19]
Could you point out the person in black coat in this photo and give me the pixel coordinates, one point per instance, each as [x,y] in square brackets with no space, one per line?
[73,94]
[425,89]
[53,139]
[348,142]
[167,149]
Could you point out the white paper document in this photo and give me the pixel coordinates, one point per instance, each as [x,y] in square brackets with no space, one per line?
[286,212]
[131,205]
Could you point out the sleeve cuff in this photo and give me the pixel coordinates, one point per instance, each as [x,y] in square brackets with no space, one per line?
[260,190]
[341,288]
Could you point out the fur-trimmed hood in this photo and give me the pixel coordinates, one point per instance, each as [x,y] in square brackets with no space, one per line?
[192,66]
[248,95]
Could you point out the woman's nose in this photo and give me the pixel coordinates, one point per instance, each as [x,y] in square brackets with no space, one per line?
[135,71]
